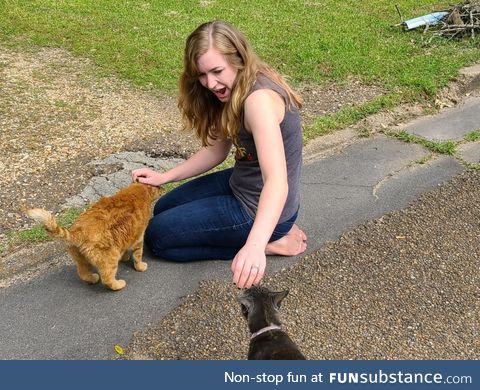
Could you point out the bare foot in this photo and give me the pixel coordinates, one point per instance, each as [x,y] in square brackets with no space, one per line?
[292,244]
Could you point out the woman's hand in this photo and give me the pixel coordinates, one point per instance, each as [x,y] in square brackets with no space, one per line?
[248,266]
[148,176]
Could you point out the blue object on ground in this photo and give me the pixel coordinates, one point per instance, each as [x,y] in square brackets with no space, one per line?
[429,19]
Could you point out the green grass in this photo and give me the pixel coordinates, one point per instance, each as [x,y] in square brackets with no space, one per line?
[441,147]
[473,136]
[349,115]
[310,41]
[37,233]
[423,160]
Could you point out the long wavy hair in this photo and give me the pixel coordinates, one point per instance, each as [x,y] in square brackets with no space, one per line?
[201,110]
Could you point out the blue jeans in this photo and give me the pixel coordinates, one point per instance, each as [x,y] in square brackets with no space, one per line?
[202,220]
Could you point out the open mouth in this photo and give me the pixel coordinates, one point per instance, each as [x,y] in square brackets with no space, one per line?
[220,92]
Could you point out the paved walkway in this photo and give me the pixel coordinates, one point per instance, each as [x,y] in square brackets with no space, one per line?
[56,316]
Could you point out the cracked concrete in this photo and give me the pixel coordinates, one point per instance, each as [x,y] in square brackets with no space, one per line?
[470,152]
[109,183]
[397,173]
[451,124]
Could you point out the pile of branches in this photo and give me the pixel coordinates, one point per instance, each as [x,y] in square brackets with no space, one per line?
[462,21]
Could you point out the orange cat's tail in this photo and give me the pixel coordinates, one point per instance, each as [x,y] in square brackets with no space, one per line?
[50,224]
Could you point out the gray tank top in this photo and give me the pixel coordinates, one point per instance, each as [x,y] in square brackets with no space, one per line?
[246,181]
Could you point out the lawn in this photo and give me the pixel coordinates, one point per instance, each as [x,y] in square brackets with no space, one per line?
[310,41]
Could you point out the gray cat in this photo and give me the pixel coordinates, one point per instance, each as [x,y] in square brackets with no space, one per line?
[268,341]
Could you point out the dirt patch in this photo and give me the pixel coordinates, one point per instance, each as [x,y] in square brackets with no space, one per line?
[331,97]
[57,114]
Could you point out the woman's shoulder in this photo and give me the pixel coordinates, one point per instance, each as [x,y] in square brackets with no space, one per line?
[261,104]
[263,82]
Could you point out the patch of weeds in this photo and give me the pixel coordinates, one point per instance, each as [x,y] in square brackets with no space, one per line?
[423,160]
[473,166]
[441,147]
[70,215]
[473,136]
[20,238]
[37,233]
[30,236]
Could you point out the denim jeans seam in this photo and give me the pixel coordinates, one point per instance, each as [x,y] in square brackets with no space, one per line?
[191,232]
[222,228]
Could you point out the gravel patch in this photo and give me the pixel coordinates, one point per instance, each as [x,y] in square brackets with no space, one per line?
[405,286]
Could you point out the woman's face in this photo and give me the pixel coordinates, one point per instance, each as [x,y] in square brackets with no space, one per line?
[216,74]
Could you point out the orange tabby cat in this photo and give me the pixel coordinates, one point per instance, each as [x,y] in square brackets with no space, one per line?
[103,234]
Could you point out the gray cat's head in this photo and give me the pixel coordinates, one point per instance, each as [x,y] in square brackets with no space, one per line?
[260,305]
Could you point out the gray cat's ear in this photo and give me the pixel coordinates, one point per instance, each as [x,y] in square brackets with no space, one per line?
[278,297]
[246,303]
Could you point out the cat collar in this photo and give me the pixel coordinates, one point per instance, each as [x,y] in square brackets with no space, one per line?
[263,330]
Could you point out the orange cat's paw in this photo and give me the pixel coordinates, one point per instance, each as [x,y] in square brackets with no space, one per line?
[125,256]
[117,285]
[91,279]
[141,266]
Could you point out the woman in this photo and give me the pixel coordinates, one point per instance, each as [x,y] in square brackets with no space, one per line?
[230,97]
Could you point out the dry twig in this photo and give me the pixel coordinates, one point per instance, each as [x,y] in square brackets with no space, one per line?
[462,21]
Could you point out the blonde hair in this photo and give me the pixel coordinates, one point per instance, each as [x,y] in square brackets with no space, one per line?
[201,110]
